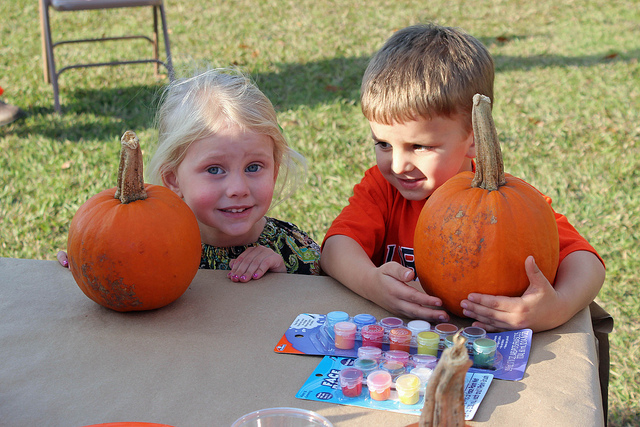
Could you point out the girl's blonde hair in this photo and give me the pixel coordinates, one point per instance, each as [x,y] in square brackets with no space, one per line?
[195,107]
[426,71]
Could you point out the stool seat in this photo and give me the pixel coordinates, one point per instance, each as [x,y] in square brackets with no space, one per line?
[64,5]
[51,74]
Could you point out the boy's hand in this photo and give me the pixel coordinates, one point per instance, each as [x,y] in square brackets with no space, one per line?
[394,289]
[254,262]
[537,308]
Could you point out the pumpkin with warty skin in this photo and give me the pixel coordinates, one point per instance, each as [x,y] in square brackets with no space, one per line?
[136,246]
[476,230]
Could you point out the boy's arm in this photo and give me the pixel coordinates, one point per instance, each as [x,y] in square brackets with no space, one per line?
[578,280]
[391,285]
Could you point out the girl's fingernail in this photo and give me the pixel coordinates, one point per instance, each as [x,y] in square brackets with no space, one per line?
[243,277]
[235,276]
[255,275]
[65,263]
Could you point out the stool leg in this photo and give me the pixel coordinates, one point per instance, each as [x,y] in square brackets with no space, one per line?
[155,39]
[51,65]
[45,59]
[166,42]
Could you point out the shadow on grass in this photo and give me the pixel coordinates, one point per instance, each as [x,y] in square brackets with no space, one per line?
[623,417]
[100,113]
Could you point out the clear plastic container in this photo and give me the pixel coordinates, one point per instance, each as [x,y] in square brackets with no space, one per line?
[417,326]
[424,374]
[345,333]
[334,317]
[365,365]
[379,384]
[484,353]
[423,361]
[364,319]
[278,417]
[443,330]
[350,380]
[389,323]
[372,335]
[473,333]
[428,343]
[399,356]
[400,339]
[408,388]
[395,369]
[370,352]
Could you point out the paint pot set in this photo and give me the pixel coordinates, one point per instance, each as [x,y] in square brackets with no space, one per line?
[382,371]
[344,331]
[364,330]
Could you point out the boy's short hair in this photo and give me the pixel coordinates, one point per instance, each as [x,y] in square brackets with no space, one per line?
[426,71]
[195,107]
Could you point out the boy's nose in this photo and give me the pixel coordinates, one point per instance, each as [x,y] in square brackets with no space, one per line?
[401,163]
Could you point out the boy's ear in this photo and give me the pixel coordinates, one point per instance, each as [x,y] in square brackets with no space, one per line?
[471,152]
[170,180]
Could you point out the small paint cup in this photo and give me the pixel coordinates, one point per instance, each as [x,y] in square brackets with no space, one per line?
[389,323]
[334,317]
[345,335]
[395,369]
[428,343]
[372,335]
[472,333]
[399,356]
[448,341]
[408,388]
[370,352]
[417,326]
[484,353]
[400,339]
[423,361]
[365,365]
[364,319]
[350,380]
[424,374]
[443,330]
[379,384]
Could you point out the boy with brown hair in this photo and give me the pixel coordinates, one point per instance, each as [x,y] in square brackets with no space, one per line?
[417,94]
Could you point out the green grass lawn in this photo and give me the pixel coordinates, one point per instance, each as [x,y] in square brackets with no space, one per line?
[567,111]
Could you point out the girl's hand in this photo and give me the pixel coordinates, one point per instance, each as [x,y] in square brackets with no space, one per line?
[63,259]
[254,262]
[537,308]
[393,287]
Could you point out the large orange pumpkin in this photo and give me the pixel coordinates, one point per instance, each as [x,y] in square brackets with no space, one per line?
[476,230]
[136,246]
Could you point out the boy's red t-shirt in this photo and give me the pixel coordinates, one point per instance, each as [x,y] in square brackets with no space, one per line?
[383,222]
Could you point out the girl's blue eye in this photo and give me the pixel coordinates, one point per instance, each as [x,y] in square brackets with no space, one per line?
[214,170]
[253,168]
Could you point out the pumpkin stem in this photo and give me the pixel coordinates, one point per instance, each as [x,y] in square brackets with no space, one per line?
[444,396]
[489,167]
[130,185]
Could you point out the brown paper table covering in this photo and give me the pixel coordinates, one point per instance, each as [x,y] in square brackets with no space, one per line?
[208,358]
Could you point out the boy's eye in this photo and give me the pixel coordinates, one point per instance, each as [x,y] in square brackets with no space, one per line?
[382,144]
[253,168]
[215,170]
[422,147]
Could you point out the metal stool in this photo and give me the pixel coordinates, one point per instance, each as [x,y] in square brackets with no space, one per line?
[49,65]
